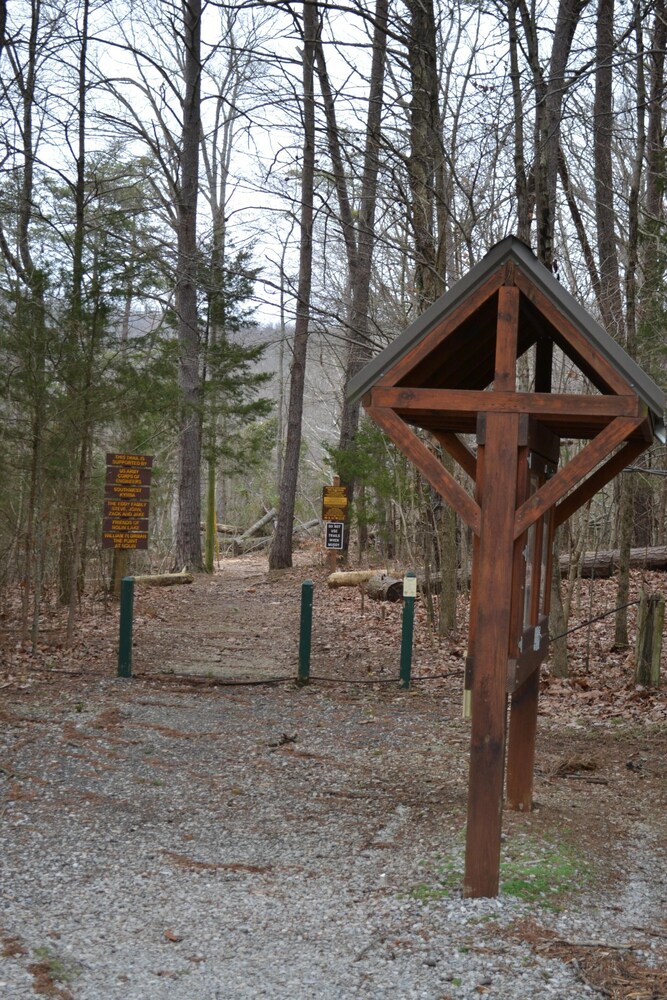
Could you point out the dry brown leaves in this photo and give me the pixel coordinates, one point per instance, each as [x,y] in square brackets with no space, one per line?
[615,969]
[354,638]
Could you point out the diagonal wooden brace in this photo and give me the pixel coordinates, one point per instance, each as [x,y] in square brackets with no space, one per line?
[427,463]
[571,474]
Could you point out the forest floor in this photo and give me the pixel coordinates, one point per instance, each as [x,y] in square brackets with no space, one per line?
[389,768]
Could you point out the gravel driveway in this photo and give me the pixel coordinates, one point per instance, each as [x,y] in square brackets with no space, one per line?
[161,841]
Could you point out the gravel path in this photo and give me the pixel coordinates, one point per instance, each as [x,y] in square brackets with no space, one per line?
[223,844]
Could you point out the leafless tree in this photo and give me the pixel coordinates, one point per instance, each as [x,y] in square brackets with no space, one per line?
[280,555]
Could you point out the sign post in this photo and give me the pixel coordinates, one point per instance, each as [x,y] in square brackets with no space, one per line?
[334,515]
[407,628]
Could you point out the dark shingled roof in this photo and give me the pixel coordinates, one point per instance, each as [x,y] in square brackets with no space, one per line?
[477,342]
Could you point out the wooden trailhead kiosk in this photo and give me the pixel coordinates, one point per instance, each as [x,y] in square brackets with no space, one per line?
[454,372]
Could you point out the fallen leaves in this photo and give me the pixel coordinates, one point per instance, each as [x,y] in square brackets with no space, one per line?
[617,970]
[183,861]
[353,640]
[574,765]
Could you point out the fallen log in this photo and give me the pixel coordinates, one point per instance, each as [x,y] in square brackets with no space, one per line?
[604,564]
[376,583]
[224,529]
[257,526]
[601,565]
[251,544]
[238,544]
[164,579]
[352,578]
[394,592]
[385,588]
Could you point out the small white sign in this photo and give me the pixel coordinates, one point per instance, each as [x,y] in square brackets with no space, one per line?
[333,534]
[409,586]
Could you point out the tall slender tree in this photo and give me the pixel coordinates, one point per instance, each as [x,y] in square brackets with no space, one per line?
[357,221]
[26,57]
[280,555]
[188,538]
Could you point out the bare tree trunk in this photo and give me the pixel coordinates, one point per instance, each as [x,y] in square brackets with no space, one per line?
[3,25]
[188,539]
[654,215]
[429,225]
[549,96]
[76,554]
[558,664]
[627,482]
[448,563]
[359,237]
[611,305]
[652,249]
[280,554]
[523,201]
[30,309]
[425,148]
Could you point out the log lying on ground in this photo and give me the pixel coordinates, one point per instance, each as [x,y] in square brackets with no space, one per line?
[225,529]
[238,543]
[385,588]
[352,578]
[604,564]
[390,589]
[380,586]
[164,579]
[250,544]
[258,525]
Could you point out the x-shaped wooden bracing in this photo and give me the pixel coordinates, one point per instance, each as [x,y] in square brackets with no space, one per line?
[618,428]
[571,486]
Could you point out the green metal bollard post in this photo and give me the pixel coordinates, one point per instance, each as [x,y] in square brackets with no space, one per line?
[305,631]
[125,637]
[409,597]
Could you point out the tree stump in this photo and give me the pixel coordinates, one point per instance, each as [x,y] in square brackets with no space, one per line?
[650,623]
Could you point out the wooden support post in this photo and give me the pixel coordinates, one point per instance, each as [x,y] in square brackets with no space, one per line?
[544,351]
[472,615]
[492,637]
[506,343]
[521,744]
[119,570]
[523,704]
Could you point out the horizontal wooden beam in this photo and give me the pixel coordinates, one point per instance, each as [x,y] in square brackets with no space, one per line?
[583,493]
[538,404]
[428,464]
[595,452]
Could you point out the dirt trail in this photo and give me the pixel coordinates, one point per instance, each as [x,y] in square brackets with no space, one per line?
[241,624]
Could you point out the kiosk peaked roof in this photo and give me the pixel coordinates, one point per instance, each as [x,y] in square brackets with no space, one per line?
[452,344]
